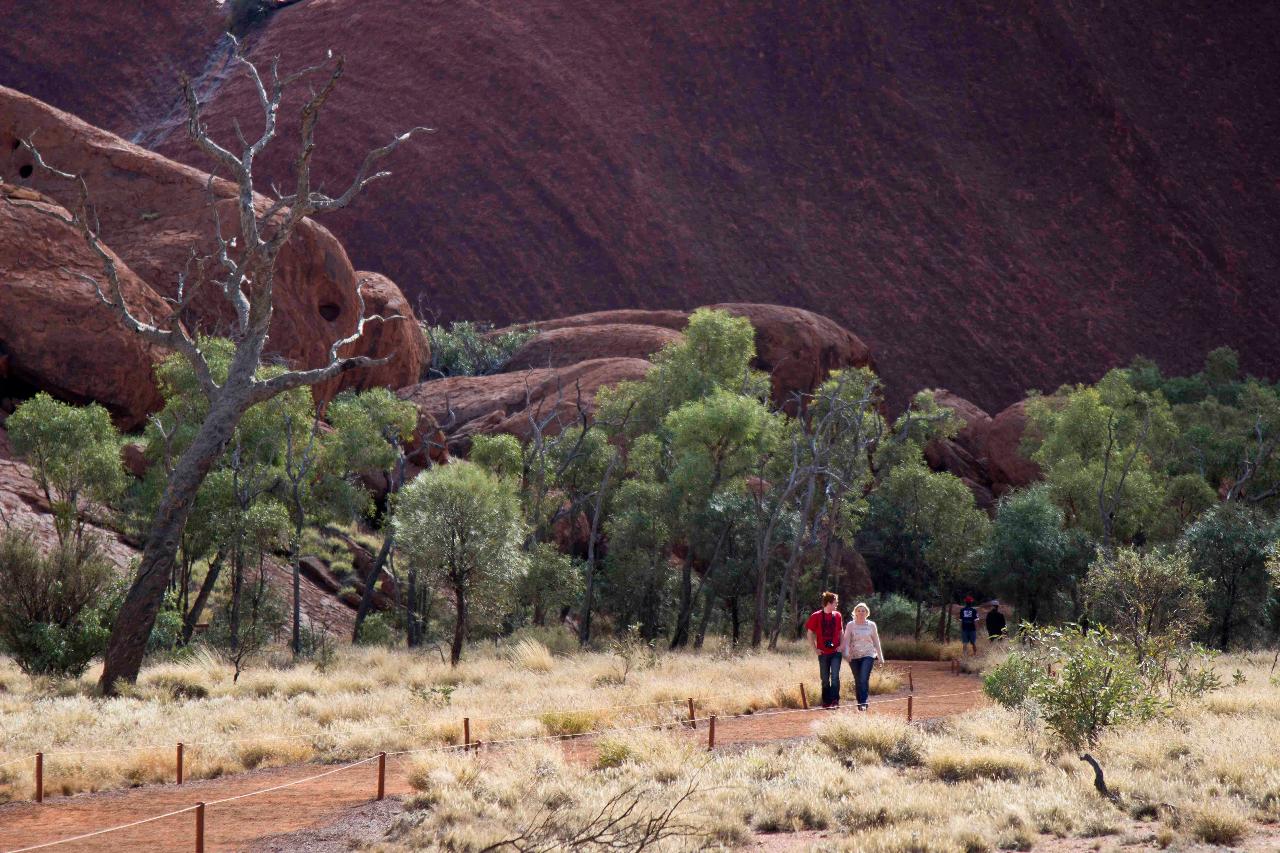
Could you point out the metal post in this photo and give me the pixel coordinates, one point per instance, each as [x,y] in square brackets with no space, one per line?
[39,777]
[909,708]
[466,734]
[804,699]
[711,732]
[911,681]
[382,775]
[199,827]
[179,762]
[693,718]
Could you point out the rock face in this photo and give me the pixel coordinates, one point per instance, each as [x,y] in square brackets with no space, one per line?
[995,198]
[115,65]
[1009,468]
[570,344]
[55,332]
[154,211]
[465,406]
[400,340]
[796,347]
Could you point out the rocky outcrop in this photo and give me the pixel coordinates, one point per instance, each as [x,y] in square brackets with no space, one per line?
[797,348]
[55,332]
[402,340]
[465,406]
[1009,468]
[567,345]
[153,212]
[997,198]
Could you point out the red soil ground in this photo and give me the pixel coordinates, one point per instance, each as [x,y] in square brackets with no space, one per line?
[251,821]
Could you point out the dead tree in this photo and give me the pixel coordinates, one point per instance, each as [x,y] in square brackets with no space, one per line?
[242,268]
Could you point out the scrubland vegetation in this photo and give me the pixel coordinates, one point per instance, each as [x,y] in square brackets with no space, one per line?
[987,780]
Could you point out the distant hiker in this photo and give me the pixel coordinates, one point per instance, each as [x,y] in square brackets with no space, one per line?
[860,643]
[825,627]
[995,623]
[969,625]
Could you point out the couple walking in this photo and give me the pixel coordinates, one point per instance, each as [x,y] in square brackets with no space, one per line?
[857,642]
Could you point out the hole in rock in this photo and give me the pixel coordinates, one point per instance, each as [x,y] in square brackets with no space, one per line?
[329,311]
[25,171]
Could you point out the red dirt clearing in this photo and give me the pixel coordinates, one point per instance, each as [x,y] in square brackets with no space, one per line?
[238,824]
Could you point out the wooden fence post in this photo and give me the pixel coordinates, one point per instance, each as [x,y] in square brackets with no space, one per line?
[382,775]
[466,734]
[199,827]
[911,681]
[804,699]
[179,762]
[693,717]
[909,708]
[711,732]
[39,777]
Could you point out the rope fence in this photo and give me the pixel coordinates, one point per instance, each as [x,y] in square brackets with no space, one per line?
[468,746]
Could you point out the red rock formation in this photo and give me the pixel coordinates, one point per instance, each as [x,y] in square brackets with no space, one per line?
[464,406]
[994,198]
[154,211]
[975,422]
[402,340]
[571,344]
[797,348]
[114,64]
[56,333]
[1008,467]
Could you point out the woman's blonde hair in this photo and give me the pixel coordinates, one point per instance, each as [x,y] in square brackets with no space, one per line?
[863,605]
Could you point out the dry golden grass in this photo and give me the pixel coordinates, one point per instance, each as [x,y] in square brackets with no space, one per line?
[370,699]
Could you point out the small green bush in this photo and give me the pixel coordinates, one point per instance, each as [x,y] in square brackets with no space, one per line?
[1009,682]
[471,349]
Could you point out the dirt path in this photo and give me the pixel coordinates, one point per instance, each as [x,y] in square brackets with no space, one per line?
[253,821]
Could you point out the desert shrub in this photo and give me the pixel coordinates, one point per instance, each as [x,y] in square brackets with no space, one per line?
[1009,682]
[895,614]
[957,765]
[886,738]
[380,629]
[1214,823]
[471,349]
[57,606]
[565,723]
[530,655]
[558,639]
[906,648]
[611,752]
[780,813]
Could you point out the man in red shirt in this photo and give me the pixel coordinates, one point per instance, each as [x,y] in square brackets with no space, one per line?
[825,627]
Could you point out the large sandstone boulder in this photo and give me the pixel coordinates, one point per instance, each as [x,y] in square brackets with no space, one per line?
[1009,468]
[975,422]
[798,348]
[571,344]
[400,339]
[154,211]
[464,406]
[56,333]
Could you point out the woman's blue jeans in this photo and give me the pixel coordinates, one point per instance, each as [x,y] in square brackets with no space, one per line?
[862,678]
[829,672]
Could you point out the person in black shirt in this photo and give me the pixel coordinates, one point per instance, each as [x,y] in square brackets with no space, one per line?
[969,625]
[995,623]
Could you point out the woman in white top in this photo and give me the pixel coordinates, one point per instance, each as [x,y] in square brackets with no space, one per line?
[860,646]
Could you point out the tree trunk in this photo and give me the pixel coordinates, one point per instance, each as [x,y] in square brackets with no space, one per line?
[705,619]
[366,598]
[919,617]
[132,627]
[680,638]
[761,606]
[413,635]
[202,597]
[588,590]
[735,620]
[459,625]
